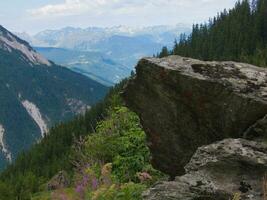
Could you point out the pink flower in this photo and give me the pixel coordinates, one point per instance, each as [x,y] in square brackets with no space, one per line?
[144,176]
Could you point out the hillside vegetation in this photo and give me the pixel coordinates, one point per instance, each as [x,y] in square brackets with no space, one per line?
[104,152]
[36,94]
[111,136]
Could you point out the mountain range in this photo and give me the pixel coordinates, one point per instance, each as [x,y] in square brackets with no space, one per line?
[111,53]
[36,94]
[74,38]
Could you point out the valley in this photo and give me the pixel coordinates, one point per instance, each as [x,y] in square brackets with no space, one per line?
[106,55]
[36,94]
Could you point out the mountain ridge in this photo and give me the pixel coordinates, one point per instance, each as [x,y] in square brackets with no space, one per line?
[9,41]
[92,51]
[36,94]
[96,34]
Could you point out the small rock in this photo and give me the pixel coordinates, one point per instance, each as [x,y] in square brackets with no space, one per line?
[59,181]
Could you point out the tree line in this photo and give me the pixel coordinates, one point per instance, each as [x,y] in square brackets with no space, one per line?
[239,34]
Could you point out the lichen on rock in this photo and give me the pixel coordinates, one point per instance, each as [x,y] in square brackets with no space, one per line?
[217,171]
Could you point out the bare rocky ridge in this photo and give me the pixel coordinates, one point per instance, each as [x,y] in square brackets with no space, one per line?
[189,109]
[10,42]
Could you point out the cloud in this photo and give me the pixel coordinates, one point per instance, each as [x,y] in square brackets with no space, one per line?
[68,7]
[74,7]
[106,13]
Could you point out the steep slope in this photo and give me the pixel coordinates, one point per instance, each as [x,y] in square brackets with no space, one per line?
[55,152]
[36,93]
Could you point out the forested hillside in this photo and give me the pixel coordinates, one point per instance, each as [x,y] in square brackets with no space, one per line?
[37,166]
[239,34]
[112,134]
[35,95]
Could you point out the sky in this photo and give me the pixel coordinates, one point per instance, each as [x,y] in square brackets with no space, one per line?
[32,16]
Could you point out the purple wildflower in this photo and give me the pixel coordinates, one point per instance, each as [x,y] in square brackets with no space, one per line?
[94,184]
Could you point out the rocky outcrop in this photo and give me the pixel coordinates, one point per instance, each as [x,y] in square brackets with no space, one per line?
[218,171]
[185,103]
[59,181]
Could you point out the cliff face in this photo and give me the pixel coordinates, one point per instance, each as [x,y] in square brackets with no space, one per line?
[185,103]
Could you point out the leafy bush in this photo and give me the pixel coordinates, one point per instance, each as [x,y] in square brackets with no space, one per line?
[121,141]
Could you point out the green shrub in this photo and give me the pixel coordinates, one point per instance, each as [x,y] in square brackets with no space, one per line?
[121,141]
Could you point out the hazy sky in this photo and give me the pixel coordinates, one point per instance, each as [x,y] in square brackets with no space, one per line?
[36,15]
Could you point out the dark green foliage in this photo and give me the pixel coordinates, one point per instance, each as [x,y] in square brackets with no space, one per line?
[239,34]
[164,52]
[6,191]
[120,140]
[43,160]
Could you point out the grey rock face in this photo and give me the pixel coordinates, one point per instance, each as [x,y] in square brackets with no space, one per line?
[218,171]
[59,181]
[185,103]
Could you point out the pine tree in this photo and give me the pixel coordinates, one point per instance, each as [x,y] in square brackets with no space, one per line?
[164,52]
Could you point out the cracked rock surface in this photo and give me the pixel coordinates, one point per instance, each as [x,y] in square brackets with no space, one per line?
[218,171]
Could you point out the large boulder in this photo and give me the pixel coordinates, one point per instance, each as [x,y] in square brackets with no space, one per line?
[185,103]
[219,171]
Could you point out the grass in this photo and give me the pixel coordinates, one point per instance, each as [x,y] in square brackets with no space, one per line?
[56,195]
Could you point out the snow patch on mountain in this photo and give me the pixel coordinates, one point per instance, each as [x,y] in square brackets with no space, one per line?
[85,39]
[36,115]
[10,43]
[3,145]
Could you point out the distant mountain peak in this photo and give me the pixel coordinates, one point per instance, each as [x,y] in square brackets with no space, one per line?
[10,43]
